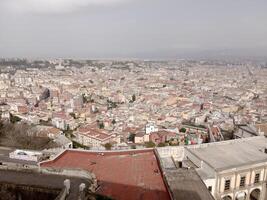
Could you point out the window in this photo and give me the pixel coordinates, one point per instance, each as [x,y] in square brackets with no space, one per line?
[242,181]
[257,178]
[227,184]
[210,188]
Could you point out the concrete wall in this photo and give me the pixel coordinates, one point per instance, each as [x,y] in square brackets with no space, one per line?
[222,142]
[177,152]
[198,162]
[68,172]
[18,167]
[12,191]
[34,168]
[211,182]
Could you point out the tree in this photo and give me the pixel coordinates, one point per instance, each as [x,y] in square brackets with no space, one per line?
[73,115]
[108,146]
[14,119]
[161,144]
[183,130]
[84,98]
[23,136]
[131,137]
[87,99]
[101,125]
[68,132]
[133,98]
[77,145]
[150,144]
[111,104]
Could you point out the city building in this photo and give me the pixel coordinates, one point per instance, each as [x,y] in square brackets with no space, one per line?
[234,169]
[93,137]
[131,175]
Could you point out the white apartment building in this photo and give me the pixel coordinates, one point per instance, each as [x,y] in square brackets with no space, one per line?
[59,123]
[150,128]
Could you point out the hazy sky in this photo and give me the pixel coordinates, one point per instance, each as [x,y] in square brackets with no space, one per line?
[131,28]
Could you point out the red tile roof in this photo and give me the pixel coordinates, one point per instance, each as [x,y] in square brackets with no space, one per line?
[94,133]
[131,175]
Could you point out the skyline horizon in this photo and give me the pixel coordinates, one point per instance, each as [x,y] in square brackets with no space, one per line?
[149,29]
[209,54]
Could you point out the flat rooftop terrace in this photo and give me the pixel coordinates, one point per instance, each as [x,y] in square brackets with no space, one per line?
[231,154]
[183,183]
[131,175]
[49,182]
[186,184]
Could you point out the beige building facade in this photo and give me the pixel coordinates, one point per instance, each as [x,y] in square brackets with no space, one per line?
[242,183]
[232,170]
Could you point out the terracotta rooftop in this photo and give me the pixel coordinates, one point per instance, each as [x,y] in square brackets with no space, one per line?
[94,133]
[54,130]
[131,175]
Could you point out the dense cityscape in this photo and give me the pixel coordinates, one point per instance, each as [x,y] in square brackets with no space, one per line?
[119,103]
[133,100]
[53,109]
